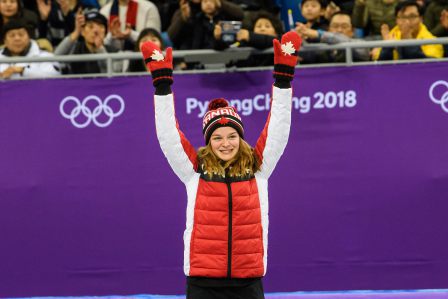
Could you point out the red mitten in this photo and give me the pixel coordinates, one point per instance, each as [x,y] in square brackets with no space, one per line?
[287,52]
[286,56]
[161,67]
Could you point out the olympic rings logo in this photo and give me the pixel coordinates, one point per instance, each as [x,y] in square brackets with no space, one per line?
[443,101]
[91,115]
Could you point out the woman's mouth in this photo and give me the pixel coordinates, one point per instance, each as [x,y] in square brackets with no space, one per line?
[226,152]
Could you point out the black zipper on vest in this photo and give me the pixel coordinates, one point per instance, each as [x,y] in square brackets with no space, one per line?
[229,243]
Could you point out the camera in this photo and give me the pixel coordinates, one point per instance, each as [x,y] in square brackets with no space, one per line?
[229,31]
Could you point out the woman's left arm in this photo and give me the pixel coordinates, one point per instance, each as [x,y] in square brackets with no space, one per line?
[274,137]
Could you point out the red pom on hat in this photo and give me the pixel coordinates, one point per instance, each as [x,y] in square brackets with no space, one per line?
[217,103]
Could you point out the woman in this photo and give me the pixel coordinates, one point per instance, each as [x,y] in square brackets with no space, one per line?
[227,212]
[13,9]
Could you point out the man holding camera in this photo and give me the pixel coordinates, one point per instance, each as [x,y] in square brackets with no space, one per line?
[200,17]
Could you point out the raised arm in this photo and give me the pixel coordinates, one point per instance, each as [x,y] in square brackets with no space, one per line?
[177,149]
[274,137]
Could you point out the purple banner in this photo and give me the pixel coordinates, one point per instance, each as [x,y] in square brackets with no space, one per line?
[90,206]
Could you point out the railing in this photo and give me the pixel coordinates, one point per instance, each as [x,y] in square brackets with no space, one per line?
[215,60]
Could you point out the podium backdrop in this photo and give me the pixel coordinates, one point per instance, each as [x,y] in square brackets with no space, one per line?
[359,200]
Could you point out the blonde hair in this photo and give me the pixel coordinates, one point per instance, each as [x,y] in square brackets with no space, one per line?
[245,162]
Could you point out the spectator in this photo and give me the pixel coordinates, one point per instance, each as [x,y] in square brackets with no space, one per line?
[18,42]
[409,26]
[10,9]
[33,5]
[57,19]
[87,38]
[260,36]
[147,34]
[313,11]
[166,9]
[371,14]
[443,24]
[290,13]
[190,15]
[204,25]
[127,18]
[252,7]
[432,16]
[442,29]
[340,31]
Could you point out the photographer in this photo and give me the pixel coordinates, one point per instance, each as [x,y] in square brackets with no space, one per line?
[193,24]
[265,29]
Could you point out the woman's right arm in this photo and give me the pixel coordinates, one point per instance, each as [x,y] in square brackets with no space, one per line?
[179,152]
[181,155]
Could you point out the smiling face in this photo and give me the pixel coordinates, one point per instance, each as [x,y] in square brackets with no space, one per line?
[225,143]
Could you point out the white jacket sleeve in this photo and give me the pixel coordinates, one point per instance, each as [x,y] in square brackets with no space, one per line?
[180,154]
[274,137]
[41,69]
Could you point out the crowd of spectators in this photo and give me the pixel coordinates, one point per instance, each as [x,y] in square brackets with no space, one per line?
[34,28]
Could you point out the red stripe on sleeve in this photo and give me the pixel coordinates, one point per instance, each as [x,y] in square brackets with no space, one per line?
[186,145]
[261,142]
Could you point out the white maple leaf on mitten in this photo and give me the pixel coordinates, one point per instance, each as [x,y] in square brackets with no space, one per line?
[288,48]
[157,55]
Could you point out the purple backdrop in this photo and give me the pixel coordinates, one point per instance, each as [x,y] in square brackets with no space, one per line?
[358,201]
